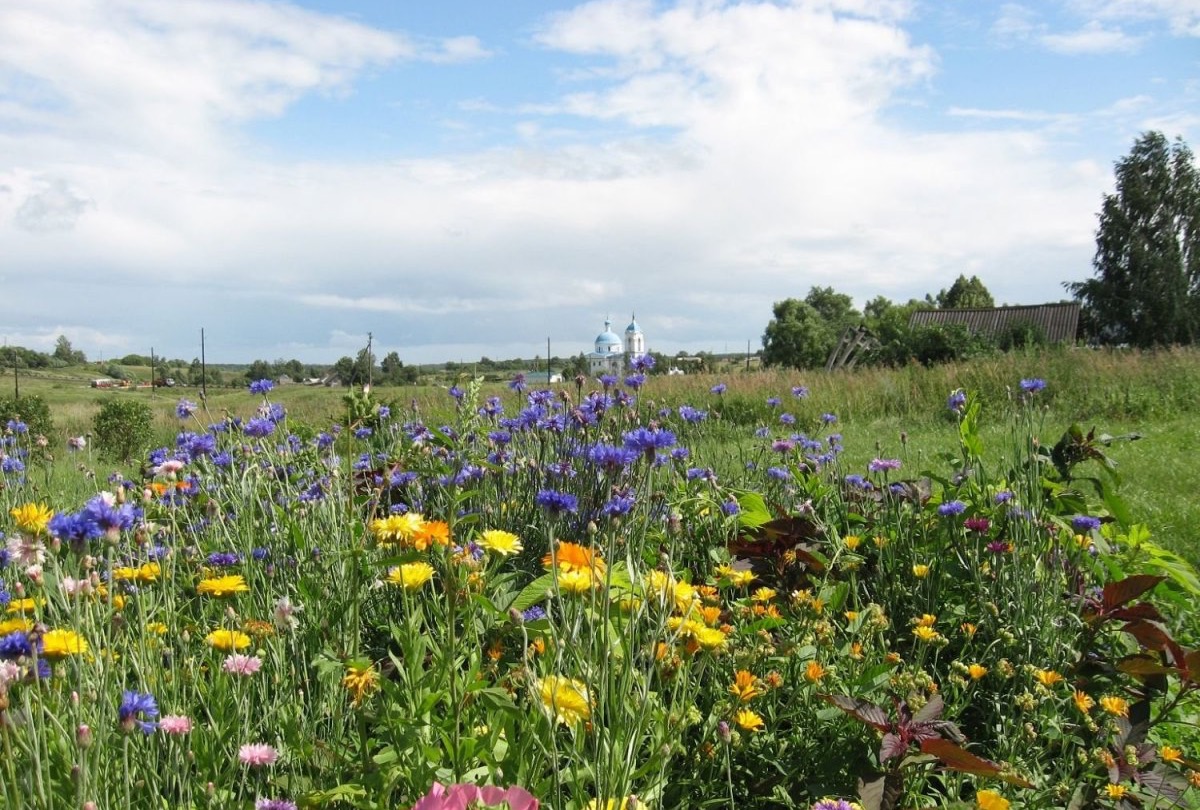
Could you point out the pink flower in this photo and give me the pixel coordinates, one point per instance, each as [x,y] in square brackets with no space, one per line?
[239,664]
[257,755]
[175,724]
[460,797]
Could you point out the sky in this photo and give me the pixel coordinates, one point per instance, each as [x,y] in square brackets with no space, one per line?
[467,179]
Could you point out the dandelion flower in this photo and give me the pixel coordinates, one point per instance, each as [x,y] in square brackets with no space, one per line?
[990,800]
[500,542]
[745,686]
[926,633]
[360,681]
[565,699]
[411,576]
[1116,792]
[62,643]
[220,587]
[1083,701]
[32,517]
[1116,706]
[228,640]
[749,720]
[257,755]
[1047,677]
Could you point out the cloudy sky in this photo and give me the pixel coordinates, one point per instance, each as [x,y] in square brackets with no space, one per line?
[469,178]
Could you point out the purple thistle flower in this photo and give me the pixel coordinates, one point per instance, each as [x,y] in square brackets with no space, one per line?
[274,804]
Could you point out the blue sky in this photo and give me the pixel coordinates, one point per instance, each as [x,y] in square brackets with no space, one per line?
[467,179]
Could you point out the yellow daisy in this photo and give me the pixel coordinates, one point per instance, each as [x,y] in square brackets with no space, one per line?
[360,681]
[500,542]
[61,643]
[411,576]
[31,517]
[749,720]
[223,586]
[228,640]
[565,699]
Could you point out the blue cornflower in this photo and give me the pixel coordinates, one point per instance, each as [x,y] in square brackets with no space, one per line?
[137,710]
[731,507]
[260,553]
[363,433]
[607,381]
[1083,523]
[718,389]
[385,412]
[261,386]
[15,645]
[323,441]
[800,391]
[1003,497]
[109,518]
[761,433]
[259,428]
[619,504]
[643,362]
[1032,386]
[692,415]
[557,503]
[856,480]
[17,426]
[883,464]
[224,559]
[952,508]
[772,402]
[533,614]
[611,459]
[274,804]
[635,381]
[222,459]
[457,393]
[778,473]
[680,454]
[11,464]
[700,472]
[517,383]
[275,412]
[185,408]
[787,419]
[829,418]
[957,401]
[648,440]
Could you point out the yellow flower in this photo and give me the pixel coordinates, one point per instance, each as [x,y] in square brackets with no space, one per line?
[223,586]
[580,581]
[411,576]
[710,638]
[1117,706]
[920,570]
[26,605]
[814,672]
[926,620]
[738,577]
[574,557]
[500,542]
[61,643]
[976,671]
[15,625]
[990,800]
[611,804]
[397,529]
[360,681]
[763,595]
[925,633]
[685,597]
[1116,792]
[228,640]
[968,629]
[749,720]
[157,628]
[31,517]
[147,572]
[1047,677]
[565,699]
[1083,701]
[852,541]
[1169,753]
[745,686]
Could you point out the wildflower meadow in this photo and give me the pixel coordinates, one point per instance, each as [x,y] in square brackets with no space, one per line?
[581,599]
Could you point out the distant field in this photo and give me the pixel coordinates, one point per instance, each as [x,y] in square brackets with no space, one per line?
[1156,395]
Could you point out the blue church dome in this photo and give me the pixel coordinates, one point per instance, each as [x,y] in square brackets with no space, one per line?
[633,326]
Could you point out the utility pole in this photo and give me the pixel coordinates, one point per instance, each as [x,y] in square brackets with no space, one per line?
[203,369]
[547,361]
[370,361]
[151,371]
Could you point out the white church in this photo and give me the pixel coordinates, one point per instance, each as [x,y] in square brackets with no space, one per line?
[614,354]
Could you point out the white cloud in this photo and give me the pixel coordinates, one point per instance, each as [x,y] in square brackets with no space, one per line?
[1092,38]
[1182,16]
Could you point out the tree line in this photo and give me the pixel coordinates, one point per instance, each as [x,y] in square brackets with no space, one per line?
[1145,291]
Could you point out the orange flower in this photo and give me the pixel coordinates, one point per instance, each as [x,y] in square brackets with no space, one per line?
[1083,701]
[977,671]
[814,672]
[1116,706]
[574,557]
[432,533]
[1047,677]
[745,686]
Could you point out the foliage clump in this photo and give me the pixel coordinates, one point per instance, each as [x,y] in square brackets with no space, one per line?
[122,428]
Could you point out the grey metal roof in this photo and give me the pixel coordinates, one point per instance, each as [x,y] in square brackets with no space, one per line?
[1059,322]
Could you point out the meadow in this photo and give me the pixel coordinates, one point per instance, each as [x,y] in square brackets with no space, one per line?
[902,588]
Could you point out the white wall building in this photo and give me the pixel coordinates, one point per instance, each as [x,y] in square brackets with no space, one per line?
[612,354]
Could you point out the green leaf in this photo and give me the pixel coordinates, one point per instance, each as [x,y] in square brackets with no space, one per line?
[533,593]
[753,510]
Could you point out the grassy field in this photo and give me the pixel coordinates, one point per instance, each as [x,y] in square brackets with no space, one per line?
[1154,395]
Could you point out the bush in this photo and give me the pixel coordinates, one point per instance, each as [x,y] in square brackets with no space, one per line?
[32,410]
[122,428]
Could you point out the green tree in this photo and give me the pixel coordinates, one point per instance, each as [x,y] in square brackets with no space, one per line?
[803,333]
[965,293]
[122,428]
[260,370]
[63,351]
[1146,288]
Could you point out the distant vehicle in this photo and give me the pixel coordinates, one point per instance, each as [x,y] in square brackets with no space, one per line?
[164,382]
[104,382]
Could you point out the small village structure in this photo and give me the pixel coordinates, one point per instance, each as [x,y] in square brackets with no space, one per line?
[1055,323]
